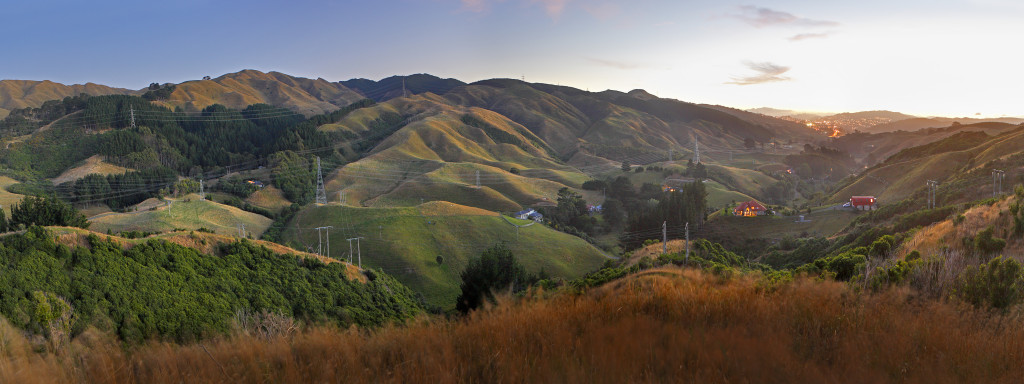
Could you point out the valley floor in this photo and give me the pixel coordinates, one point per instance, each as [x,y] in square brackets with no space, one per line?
[664,325]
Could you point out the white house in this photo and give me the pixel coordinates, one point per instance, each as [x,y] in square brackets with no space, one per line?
[525,214]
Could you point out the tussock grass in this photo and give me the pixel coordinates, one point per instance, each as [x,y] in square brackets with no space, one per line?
[662,325]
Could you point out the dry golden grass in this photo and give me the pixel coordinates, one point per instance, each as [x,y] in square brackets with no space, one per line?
[659,326]
[8,199]
[444,208]
[945,235]
[270,198]
[94,164]
[654,250]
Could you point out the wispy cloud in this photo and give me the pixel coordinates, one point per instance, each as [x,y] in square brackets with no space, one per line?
[805,36]
[766,73]
[616,63]
[765,17]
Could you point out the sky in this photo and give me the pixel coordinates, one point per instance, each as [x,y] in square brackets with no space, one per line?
[929,58]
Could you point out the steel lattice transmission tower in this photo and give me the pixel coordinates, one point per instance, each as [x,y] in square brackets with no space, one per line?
[696,152]
[321,192]
[131,109]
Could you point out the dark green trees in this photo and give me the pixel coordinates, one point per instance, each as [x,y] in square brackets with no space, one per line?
[494,270]
[46,211]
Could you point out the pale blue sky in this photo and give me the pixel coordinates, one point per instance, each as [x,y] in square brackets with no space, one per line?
[950,58]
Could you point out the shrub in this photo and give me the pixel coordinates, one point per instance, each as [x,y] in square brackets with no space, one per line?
[996,284]
[496,268]
[882,246]
[845,265]
[987,243]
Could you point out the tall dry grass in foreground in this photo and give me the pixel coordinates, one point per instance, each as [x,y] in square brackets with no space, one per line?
[659,326]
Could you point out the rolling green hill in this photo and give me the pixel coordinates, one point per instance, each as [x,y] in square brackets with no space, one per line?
[405,243]
[188,213]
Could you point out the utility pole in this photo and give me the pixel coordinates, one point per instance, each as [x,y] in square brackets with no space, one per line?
[696,151]
[687,260]
[131,110]
[664,237]
[202,192]
[358,250]
[341,197]
[241,230]
[932,188]
[997,182]
[320,246]
[321,193]
[404,93]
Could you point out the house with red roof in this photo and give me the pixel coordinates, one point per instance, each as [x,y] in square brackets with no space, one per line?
[749,209]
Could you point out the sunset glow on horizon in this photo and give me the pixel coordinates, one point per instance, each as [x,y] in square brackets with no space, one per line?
[945,58]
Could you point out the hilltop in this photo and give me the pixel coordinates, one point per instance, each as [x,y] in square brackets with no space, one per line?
[17,94]
[241,89]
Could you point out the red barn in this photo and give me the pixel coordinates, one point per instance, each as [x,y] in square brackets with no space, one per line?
[750,208]
[863,203]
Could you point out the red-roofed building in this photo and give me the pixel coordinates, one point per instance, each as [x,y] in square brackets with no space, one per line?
[863,203]
[750,208]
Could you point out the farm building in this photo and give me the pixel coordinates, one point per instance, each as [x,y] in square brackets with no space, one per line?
[528,214]
[749,209]
[863,203]
[524,214]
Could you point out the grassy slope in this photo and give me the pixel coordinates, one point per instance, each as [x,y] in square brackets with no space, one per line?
[746,181]
[94,164]
[405,244]
[895,180]
[8,199]
[193,214]
[436,157]
[270,198]
[825,222]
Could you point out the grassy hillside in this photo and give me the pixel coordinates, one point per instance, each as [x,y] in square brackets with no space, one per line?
[745,181]
[188,213]
[436,152]
[405,243]
[240,89]
[16,94]
[7,199]
[822,222]
[270,198]
[955,163]
[93,164]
